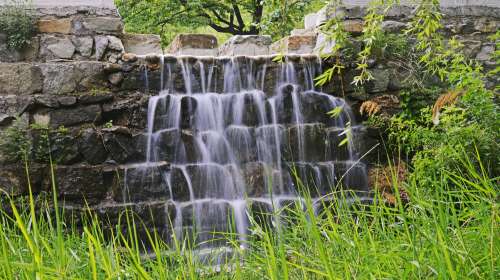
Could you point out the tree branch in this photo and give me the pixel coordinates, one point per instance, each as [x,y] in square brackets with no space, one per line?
[257,17]
[237,13]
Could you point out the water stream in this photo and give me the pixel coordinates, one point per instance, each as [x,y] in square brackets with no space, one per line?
[238,132]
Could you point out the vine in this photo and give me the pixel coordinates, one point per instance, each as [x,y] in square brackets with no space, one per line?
[372,31]
[337,38]
[336,35]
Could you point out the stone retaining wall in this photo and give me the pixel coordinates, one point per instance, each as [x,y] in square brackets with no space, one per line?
[78,74]
[78,32]
[103,107]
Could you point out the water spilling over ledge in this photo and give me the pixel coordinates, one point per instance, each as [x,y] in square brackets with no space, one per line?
[241,135]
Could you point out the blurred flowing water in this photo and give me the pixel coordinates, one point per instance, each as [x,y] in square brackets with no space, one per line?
[244,135]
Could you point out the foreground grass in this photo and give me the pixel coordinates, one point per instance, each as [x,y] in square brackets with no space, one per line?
[451,233]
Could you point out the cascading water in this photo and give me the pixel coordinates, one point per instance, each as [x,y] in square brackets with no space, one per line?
[238,132]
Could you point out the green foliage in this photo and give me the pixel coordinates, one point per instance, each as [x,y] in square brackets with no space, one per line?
[17,23]
[169,17]
[425,26]
[14,141]
[23,142]
[471,125]
[450,234]
[48,143]
[109,124]
[432,66]
[281,16]
[372,30]
[496,56]
[390,46]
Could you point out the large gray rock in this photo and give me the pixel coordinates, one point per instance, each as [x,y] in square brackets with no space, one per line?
[129,111]
[54,25]
[82,184]
[193,44]
[306,142]
[295,44]
[90,75]
[142,44]
[20,78]
[58,78]
[91,146]
[157,213]
[142,182]
[121,146]
[83,45]
[246,45]
[63,78]
[393,26]
[101,44]
[74,116]
[100,25]
[486,53]
[53,47]
[380,80]
[115,44]
[12,106]
[13,179]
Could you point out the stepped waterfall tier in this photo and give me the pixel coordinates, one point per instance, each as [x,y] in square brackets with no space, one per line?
[240,137]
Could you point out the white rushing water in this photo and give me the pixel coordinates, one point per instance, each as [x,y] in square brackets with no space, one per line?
[236,130]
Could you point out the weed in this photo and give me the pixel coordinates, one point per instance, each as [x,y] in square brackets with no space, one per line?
[17,23]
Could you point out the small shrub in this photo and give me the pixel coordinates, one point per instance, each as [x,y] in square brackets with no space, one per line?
[389,45]
[17,22]
[49,142]
[14,141]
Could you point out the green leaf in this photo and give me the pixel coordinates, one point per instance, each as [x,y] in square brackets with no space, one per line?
[344,142]
[335,112]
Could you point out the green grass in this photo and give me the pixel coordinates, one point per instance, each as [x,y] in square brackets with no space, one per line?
[451,234]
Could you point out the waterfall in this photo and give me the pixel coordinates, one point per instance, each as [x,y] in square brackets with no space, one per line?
[235,130]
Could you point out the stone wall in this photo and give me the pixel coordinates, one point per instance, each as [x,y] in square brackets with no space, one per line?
[472,22]
[78,73]
[72,31]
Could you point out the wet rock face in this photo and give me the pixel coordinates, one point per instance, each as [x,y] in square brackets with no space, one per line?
[309,138]
[142,183]
[91,146]
[81,183]
[13,179]
[71,117]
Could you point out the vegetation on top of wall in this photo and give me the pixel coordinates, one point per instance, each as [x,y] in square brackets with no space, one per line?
[17,23]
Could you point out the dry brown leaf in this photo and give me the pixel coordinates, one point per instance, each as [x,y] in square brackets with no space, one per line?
[370,108]
[381,179]
[448,98]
